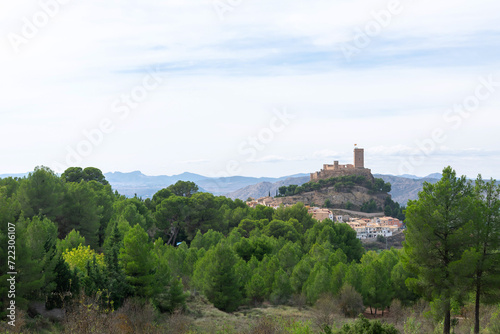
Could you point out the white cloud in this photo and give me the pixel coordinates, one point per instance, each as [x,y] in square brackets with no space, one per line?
[223,78]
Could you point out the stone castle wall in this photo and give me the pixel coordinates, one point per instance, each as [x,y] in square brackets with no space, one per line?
[337,170]
[326,174]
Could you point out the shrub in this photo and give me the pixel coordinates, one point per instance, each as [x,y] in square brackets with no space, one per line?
[350,301]
[363,326]
[325,308]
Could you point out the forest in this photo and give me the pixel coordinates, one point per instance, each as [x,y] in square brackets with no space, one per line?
[103,259]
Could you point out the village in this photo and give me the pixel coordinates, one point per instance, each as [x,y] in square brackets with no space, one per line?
[367,226]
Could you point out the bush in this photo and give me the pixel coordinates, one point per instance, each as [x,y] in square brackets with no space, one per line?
[350,301]
[363,326]
[325,308]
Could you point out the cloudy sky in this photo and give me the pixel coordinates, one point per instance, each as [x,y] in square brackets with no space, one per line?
[250,87]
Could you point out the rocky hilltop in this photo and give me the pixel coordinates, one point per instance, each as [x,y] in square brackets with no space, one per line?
[357,195]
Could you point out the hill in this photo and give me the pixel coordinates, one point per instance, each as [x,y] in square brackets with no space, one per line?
[146,186]
[403,189]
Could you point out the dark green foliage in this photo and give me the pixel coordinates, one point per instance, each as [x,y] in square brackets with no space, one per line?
[118,287]
[183,188]
[340,184]
[67,285]
[175,297]
[41,192]
[77,174]
[438,232]
[81,212]
[393,209]
[278,228]
[234,254]
[370,206]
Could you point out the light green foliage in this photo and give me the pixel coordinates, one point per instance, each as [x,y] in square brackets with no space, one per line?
[398,282]
[78,257]
[301,272]
[363,326]
[376,285]
[207,240]
[215,275]
[278,228]
[136,261]
[338,235]
[72,240]
[167,291]
[318,282]
[256,288]
[297,211]
[289,255]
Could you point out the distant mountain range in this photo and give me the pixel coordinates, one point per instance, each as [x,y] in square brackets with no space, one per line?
[144,186]
[404,187]
[242,187]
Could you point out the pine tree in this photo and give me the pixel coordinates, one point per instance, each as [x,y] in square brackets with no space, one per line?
[117,285]
[219,280]
[135,259]
[437,233]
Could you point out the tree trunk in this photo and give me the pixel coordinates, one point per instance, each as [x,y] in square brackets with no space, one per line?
[447,318]
[476,311]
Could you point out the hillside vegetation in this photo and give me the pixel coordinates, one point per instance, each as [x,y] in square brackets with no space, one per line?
[127,265]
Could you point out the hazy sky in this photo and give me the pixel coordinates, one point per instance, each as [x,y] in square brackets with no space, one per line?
[250,87]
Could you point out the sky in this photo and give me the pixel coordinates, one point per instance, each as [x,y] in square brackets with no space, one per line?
[250,87]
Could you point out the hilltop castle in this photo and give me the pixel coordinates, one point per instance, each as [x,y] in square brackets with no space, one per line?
[335,170]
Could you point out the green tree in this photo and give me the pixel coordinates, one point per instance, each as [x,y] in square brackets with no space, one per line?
[282,288]
[480,263]
[41,192]
[81,212]
[256,288]
[216,276]
[72,174]
[278,228]
[72,240]
[117,284]
[136,261]
[183,188]
[172,215]
[376,284]
[94,174]
[435,238]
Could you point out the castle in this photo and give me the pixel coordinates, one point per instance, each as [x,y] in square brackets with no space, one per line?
[335,170]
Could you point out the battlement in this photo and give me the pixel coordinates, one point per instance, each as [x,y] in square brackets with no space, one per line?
[337,170]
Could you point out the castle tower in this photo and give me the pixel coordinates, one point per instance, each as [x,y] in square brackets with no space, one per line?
[359,159]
